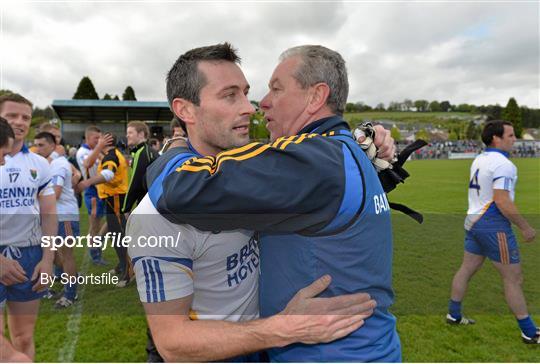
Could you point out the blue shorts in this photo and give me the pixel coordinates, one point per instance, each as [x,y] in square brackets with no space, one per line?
[68,228]
[94,205]
[28,258]
[499,246]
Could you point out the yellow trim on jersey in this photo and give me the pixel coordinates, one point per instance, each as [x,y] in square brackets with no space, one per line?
[109,163]
[184,269]
[204,165]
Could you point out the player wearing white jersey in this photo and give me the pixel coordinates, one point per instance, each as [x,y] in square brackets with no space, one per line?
[67,208]
[88,157]
[28,210]
[488,228]
[225,264]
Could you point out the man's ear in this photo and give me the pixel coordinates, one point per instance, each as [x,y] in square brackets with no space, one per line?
[184,110]
[319,96]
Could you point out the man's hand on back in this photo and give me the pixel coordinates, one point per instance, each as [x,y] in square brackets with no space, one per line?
[309,319]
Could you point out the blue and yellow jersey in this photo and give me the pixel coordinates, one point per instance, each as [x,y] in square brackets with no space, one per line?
[320,209]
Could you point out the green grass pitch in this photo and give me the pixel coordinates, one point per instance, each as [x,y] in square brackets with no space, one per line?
[107,324]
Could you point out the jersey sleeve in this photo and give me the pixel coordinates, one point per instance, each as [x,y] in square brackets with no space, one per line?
[503,177]
[110,162]
[294,184]
[137,187]
[163,273]
[60,173]
[45,177]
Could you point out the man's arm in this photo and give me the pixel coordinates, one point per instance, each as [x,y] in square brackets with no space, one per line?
[294,184]
[49,227]
[510,211]
[306,319]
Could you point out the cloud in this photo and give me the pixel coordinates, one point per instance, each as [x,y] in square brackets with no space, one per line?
[463,52]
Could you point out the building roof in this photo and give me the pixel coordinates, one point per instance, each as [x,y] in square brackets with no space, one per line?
[100,110]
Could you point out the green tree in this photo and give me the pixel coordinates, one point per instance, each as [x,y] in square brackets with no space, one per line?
[380,107]
[512,113]
[452,135]
[86,90]
[5,91]
[350,107]
[434,106]
[446,106]
[472,131]
[116,98]
[129,94]
[421,105]
[407,104]
[394,132]
[422,134]
[107,97]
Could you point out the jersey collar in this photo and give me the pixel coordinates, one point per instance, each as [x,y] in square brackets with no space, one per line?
[25,149]
[497,150]
[324,125]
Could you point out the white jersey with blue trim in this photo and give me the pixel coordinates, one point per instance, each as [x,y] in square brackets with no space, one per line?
[24,176]
[82,153]
[66,205]
[490,170]
[220,270]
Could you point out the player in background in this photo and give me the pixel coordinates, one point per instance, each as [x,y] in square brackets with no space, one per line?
[28,210]
[88,157]
[67,209]
[137,135]
[111,181]
[488,228]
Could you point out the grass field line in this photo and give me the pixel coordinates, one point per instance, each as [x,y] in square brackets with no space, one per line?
[67,351]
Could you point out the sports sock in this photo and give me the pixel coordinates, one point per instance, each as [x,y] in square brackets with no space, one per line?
[454,309]
[527,326]
[70,290]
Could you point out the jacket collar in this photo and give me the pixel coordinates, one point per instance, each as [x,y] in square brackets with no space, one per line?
[324,125]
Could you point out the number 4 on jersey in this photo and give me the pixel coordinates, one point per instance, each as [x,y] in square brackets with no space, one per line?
[474,182]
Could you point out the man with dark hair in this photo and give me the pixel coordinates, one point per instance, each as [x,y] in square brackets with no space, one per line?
[206,305]
[488,228]
[67,210]
[137,135]
[111,182]
[28,210]
[88,157]
[6,139]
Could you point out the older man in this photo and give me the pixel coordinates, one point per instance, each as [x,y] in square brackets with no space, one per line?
[316,200]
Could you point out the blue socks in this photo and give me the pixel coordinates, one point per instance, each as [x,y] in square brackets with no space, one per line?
[454,309]
[527,326]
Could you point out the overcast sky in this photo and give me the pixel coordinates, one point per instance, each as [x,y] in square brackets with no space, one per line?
[464,52]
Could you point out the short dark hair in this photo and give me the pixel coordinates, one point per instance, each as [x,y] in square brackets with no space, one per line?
[6,132]
[13,97]
[92,129]
[493,128]
[176,122]
[47,136]
[184,79]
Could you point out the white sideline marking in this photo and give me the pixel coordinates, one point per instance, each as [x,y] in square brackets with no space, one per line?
[67,352]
